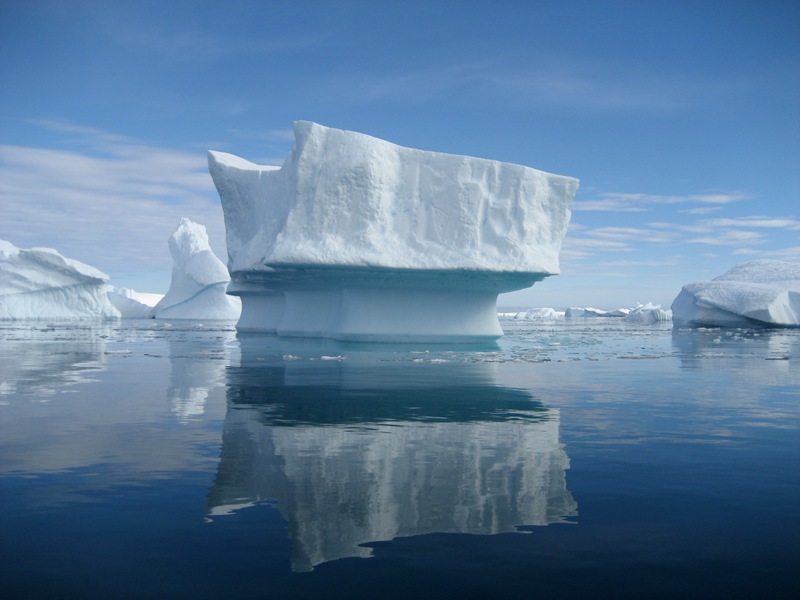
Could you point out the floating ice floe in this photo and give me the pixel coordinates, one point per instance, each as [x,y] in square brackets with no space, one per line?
[199,279]
[355,238]
[761,292]
[40,283]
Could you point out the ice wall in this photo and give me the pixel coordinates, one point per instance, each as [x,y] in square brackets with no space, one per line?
[199,279]
[40,283]
[351,222]
[761,292]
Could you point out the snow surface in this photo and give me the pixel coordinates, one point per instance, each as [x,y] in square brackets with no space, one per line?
[40,283]
[199,279]
[763,292]
[423,227]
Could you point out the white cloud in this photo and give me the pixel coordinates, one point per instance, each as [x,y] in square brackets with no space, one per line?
[729,238]
[789,254]
[110,201]
[638,202]
[758,222]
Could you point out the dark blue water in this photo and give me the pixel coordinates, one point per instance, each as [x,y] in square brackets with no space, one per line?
[584,459]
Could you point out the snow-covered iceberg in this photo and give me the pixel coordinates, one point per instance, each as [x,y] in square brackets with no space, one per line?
[199,279]
[761,292]
[355,238]
[648,313]
[132,304]
[40,283]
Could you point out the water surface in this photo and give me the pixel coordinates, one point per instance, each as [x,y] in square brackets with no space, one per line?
[571,459]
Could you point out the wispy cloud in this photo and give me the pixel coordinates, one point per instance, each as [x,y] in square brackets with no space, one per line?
[728,238]
[111,201]
[637,202]
[789,254]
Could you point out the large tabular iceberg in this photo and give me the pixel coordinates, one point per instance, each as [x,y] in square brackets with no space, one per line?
[355,238]
[40,283]
[199,279]
[762,292]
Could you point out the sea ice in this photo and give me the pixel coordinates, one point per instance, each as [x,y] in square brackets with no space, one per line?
[40,283]
[199,279]
[355,238]
[765,292]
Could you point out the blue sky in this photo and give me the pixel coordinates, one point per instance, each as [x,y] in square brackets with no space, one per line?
[680,118]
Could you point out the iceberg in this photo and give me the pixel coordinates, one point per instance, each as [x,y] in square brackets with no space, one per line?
[648,313]
[40,283]
[538,314]
[358,239]
[577,312]
[131,304]
[199,279]
[761,292]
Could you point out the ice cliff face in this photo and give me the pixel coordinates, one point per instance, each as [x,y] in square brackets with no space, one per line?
[40,283]
[765,292]
[344,198]
[199,279]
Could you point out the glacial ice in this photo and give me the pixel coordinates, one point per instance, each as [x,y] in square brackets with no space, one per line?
[40,283]
[355,238]
[199,279]
[132,304]
[765,292]
[648,313]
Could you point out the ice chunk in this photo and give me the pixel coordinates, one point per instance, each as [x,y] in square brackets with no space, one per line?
[199,279]
[648,313]
[131,304]
[357,238]
[765,292]
[40,283]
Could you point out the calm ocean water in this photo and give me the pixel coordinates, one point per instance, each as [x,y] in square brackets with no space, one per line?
[585,459]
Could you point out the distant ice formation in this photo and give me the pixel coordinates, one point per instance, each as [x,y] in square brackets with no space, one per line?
[648,313]
[131,304]
[40,283]
[355,238]
[199,279]
[576,313]
[538,314]
[761,292]
[641,313]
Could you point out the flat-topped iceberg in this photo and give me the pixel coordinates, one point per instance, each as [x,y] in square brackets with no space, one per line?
[355,238]
[199,279]
[761,292]
[40,283]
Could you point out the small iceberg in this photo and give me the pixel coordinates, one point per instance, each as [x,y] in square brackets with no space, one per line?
[761,292]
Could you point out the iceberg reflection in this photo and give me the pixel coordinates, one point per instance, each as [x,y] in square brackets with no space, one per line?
[359,448]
